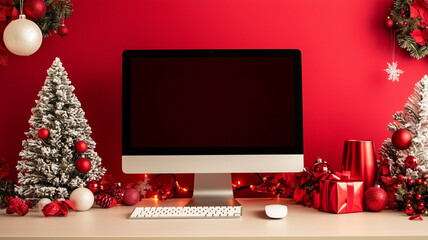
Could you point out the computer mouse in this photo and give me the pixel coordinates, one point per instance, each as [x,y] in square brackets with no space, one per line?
[276,210]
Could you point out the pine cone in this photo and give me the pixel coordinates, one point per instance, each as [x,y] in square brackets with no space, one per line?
[106,201]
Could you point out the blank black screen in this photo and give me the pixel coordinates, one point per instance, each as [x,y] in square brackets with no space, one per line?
[212,102]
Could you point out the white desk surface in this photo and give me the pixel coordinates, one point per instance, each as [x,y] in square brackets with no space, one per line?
[300,223]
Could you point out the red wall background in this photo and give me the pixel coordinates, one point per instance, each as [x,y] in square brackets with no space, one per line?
[344,44]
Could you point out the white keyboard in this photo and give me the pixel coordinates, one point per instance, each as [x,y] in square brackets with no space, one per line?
[186,212]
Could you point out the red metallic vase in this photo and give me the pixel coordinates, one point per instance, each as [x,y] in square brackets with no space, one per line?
[360,159]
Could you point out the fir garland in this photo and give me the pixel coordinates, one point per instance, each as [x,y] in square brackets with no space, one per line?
[409,23]
[56,11]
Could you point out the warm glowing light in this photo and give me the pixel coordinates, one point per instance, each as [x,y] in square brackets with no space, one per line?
[145,175]
[185,189]
[251,186]
[264,179]
[156,197]
[239,182]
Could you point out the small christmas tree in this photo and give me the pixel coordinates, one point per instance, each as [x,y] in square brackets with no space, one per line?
[407,151]
[58,154]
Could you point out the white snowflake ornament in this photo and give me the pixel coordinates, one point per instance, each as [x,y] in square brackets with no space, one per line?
[143,187]
[394,73]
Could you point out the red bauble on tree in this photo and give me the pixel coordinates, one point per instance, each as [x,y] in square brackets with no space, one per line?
[389,22]
[401,178]
[94,186]
[375,198]
[34,9]
[43,133]
[62,30]
[411,162]
[410,210]
[81,146]
[401,139]
[83,165]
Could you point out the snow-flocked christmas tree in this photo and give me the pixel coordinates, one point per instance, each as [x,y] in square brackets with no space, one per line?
[58,154]
[407,151]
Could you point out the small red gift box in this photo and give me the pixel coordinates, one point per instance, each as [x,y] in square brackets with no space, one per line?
[340,194]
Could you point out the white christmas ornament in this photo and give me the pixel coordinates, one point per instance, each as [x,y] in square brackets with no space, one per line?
[82,198]
[393,71]
[22,36]
[43,202]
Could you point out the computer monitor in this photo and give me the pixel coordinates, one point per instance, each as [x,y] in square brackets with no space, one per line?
[212,113]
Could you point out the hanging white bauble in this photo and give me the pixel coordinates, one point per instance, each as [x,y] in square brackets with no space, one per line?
[42,202]
[82,198]
[22,36]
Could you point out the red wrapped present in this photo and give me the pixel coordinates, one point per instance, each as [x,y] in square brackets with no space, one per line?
[341,194]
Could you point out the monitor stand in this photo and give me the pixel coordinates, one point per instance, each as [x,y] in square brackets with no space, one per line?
[213,189]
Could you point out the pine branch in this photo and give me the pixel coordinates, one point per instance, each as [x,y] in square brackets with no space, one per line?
[57,10]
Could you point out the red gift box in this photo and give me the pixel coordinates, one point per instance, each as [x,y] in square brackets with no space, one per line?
[340,194]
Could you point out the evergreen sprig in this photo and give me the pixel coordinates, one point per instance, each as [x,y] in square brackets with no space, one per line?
[56,11]
[404,25]
[407,195]
[7,188]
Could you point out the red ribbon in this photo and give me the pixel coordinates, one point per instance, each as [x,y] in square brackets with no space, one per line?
[350,192]
[340,176]
[416,217]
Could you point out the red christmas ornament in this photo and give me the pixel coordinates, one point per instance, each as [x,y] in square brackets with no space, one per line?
[34,9]
[411,162]
[81,146]
[93,186]
[62,30]
[421,205]
[131,196]
[409,210]
[418,196]
[43,133]
[83,165]
[375,198]
[320,170]
[424,183]
[119,193]
[388,22]
[424,176]
[401,139]
[322,167]
[106,201]
[410,181]
[418,181]
[401,178]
